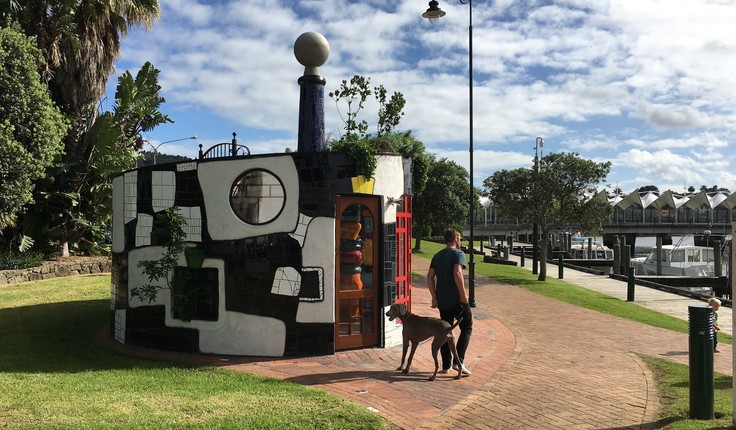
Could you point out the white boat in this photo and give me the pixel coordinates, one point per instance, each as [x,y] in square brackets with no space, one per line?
[579,249]
[680,260]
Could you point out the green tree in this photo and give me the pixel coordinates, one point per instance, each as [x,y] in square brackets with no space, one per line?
[559,194]
[356,141]
[80,41]
[444,200]
[31,127]
[75,204]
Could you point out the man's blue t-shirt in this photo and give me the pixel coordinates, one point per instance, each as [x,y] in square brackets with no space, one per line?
[443,264]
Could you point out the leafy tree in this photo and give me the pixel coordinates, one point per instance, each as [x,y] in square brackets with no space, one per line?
[31,127]
[390,111]
[80,41]
[74,204]
[652,188]
[560,194]
[354,94]
[356,142]
[444,200]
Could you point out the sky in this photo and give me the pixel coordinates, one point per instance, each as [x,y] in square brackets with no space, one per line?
[649,85]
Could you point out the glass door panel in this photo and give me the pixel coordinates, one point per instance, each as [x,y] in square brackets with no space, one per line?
[357,295]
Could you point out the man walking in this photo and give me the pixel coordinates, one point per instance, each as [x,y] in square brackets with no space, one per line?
[449,296]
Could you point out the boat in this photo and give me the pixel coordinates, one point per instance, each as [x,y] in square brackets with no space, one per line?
[579,249]
[681,260]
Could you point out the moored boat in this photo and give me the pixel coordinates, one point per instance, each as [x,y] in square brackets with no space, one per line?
[681,260]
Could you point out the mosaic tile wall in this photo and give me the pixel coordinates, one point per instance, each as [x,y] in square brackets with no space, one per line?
[266,270]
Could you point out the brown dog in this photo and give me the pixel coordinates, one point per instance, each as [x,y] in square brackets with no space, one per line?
[417,329]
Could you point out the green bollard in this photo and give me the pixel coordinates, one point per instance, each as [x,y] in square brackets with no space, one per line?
[701,362]
[523,252]
[560,267]
[630,286]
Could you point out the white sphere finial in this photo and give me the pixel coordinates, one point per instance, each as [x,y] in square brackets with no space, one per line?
[311,49]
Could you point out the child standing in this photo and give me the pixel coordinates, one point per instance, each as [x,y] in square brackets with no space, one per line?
[715,304]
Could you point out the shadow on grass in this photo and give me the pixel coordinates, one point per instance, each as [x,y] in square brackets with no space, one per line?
[61,337]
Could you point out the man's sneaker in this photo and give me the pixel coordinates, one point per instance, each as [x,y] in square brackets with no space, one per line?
[446,371]
[465,371]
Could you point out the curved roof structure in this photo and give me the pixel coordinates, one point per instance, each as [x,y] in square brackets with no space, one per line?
[670,199]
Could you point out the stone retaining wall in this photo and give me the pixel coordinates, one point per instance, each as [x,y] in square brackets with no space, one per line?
[72,266]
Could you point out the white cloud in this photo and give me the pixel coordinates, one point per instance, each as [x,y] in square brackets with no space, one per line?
[646,84]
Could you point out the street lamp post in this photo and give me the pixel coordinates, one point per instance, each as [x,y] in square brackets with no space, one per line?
[535,229]
[433,14]
[155,147]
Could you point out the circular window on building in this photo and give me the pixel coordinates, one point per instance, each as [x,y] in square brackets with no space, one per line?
[257,196]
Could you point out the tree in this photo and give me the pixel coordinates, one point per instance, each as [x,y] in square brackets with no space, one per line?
[75,204]
[356,142]
[80,41]
[652,188]
[444,200]
[562,193]
[31,127]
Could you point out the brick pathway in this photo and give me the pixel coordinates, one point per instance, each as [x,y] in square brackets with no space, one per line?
[537,364]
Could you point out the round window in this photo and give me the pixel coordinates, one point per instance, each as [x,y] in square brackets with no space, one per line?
[257,196]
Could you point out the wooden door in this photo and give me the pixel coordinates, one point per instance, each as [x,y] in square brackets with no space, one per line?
[358,271]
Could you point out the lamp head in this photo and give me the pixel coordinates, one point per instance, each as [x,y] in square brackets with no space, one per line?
[434,13]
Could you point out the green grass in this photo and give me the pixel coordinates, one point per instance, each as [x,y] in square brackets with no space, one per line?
[672,378]
[573,294]
[55,376]
[672,384]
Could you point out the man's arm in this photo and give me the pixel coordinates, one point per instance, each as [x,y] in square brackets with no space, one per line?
[460,282]
[431,286]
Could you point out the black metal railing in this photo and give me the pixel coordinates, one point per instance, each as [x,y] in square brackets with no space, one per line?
[226,149]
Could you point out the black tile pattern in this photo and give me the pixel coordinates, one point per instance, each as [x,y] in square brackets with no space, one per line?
[251,264]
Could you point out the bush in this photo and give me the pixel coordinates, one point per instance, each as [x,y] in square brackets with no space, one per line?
[13,260]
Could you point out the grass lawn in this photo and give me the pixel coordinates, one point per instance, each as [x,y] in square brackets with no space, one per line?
[672,378]
[55,376]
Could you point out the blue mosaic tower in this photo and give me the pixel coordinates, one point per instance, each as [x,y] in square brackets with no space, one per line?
[311,50]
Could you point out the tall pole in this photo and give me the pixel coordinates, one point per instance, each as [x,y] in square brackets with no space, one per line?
[471,264]
[433,14]
[535,229]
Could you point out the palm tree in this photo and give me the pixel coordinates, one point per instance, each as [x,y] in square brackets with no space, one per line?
[80,42]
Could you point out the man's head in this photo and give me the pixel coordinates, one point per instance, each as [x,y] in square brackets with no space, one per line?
[451,236]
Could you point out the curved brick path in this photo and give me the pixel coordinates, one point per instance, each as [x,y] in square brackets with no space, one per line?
[537,364]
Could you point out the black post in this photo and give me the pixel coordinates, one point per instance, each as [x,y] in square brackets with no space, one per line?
[701,362]
[560,266]
[523,252]
[471,264]
[535,248]
[630,286]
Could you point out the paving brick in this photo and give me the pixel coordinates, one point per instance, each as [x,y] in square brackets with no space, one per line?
[537,364]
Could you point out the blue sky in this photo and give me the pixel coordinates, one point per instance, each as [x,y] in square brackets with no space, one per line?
[649,85]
